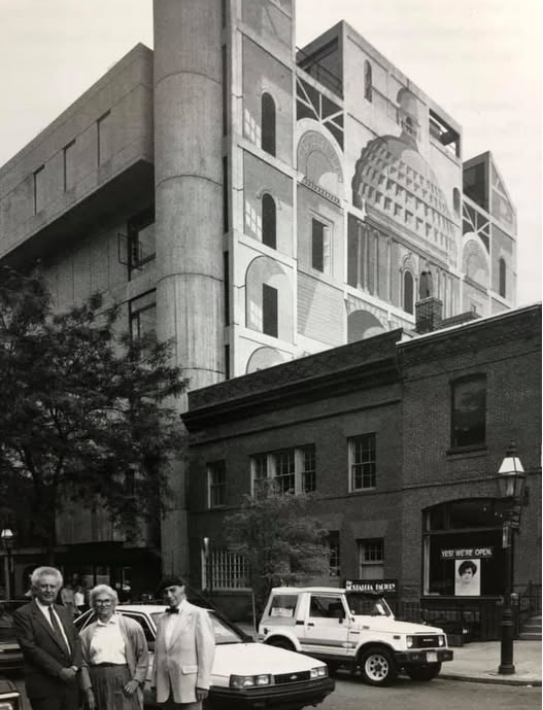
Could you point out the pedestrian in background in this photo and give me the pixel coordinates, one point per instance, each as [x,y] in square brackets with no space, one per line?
[50,645]
[184,650]
[67,598]
[115,656]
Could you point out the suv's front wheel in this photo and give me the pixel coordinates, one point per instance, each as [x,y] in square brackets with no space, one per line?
[377,666]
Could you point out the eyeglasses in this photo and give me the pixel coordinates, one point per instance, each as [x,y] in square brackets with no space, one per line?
[103,602]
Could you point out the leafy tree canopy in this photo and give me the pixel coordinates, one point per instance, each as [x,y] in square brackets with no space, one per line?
[282,543]
[83,405]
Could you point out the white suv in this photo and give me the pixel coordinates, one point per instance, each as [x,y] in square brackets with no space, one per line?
[353,629]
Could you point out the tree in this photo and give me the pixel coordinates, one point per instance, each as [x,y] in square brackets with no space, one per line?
[86,410]
[281,541]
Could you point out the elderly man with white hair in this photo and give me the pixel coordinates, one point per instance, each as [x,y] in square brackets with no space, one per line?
[115,656]
[50,645]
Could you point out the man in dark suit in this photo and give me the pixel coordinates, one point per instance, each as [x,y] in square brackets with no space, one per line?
[50,645]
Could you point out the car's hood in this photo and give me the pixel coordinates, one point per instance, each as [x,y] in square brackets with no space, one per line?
[258,658]
[388,623]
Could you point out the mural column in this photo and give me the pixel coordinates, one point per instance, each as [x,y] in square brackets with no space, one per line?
[188,185]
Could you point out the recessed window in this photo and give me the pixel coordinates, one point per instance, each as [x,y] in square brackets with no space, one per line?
[104,138]
[142,316]
[362,462]
[502,278]
[268,123]
[371,558]
[39,190]
[368,81]
[69,166]
[141,242]
[320,246]
[408,292]
[216,484]
[269,221]
[334,551]
[444,134]
[269,311]
[468,415]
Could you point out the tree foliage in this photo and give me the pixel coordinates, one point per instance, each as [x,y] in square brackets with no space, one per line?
[83,407]
[282,543]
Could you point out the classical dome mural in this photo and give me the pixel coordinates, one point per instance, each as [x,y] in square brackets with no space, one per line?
[392,179]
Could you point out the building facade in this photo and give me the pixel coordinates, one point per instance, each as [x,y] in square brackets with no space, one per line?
[254,202]
[399,440]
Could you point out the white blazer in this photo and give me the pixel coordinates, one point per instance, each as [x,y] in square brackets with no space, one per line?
[184,662]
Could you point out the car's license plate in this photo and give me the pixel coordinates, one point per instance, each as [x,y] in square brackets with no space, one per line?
[431,657]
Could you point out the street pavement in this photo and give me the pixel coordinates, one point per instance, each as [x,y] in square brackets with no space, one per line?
[479,662]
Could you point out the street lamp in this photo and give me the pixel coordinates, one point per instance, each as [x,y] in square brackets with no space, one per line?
[511,479]
[8,538]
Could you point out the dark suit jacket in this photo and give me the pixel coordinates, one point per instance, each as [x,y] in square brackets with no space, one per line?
[43,653]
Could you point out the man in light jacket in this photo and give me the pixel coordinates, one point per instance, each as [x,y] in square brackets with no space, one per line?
[184,650]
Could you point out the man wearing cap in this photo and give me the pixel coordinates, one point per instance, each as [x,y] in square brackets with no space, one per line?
[184,650]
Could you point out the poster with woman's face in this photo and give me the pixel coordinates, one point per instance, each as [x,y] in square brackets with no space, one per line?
[467,578]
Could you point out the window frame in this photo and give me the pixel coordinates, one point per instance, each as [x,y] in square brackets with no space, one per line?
[367,563]
[268,123]
[326,246]
[270,310]
[213,487]
[264,467]
[352,441]
[454,439]
[269,221]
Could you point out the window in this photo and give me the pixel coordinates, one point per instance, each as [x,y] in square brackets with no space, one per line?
[362,462]
[39,190]
[226,286]
[216,484]
[333,546]
[104,138]
[141,241]
[368,82]
[371,558]
[502,278]
[228,570]
[444,134]
[69,166]
[269,221]
[292,470]
[468,411]
[320,245]
[142,316]
[269,311]
[268,123]
[224,64]
[408,292]
[225,197]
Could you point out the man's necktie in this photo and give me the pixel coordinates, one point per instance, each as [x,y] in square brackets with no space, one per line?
[57,629]
[172,610]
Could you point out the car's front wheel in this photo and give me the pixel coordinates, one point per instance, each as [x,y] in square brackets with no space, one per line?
[378,667]
[428,672]
[281,643]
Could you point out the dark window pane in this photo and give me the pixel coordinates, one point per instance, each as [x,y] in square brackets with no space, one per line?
[268,124]
[269,221]
[269,310]
[317,244]
[469,412]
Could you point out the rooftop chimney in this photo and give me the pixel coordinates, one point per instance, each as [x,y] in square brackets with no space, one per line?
[428,315]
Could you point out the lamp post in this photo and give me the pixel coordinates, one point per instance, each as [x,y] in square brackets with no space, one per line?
[8,538]
[511,479]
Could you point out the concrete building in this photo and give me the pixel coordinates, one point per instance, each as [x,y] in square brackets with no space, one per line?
[255,202]
[400,440]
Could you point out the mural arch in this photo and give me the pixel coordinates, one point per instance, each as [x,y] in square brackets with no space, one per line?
[264,275]
[319,162]
[263,358]
[362,324]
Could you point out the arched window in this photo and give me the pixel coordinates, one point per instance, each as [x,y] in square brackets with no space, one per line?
[408,290]
[502,278]
[368,81]
[268,123]
[269,221]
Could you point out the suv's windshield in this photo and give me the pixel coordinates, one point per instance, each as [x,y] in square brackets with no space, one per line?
[367,604]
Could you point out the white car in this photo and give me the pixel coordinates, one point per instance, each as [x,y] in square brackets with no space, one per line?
[245,674]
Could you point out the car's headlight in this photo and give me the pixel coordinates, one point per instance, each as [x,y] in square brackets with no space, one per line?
[249,681]
[410,641]
[319,672]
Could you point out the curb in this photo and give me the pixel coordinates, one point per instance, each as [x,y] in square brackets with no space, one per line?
[496,680]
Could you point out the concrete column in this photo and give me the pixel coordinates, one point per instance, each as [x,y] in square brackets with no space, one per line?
[188,202]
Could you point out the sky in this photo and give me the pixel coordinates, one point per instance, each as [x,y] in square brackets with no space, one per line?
[480,60]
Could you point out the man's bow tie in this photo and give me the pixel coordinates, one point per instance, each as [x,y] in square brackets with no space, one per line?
[172,610]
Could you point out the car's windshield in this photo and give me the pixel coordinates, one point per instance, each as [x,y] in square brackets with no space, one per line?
[223,633]
[367,604]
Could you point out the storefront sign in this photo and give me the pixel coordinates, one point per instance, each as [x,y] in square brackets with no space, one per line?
[467,553]
[373,586]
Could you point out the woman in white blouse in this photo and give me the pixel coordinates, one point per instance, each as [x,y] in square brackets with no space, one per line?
[115,656]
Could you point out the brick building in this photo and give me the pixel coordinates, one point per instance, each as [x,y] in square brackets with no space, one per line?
[255,203]
[400,438]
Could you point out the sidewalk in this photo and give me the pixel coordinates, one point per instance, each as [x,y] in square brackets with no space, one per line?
[479,661]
